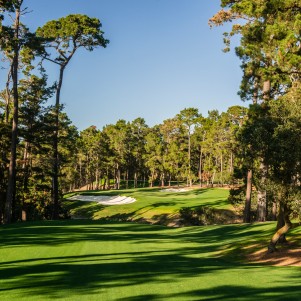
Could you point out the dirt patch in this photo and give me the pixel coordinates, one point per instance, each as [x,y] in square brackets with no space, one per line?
[286,255]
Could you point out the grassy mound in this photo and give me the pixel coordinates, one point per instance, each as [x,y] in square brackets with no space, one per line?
[157,206]
[93,260]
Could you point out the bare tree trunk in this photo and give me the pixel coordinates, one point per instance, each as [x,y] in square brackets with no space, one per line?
[108,179]
[222,180]
[80,173]
[152,179]
[281,231]
[135,180]
[7,96]
[92,183]
[97,179]
[261,191]
[11,186]
[189,159]
[55,177]
[200,167]
[118,177]
[25,168]
[261,195]
[247,211]
[281,222]
[162,180]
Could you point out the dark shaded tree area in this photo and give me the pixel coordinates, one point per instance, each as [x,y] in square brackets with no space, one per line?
[270,39]
[31,128]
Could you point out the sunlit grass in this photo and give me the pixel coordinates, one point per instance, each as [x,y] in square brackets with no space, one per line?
[92,260]
[152,205]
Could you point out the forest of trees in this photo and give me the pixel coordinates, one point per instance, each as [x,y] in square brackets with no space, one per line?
[37,138]
[257,149]
[184,150]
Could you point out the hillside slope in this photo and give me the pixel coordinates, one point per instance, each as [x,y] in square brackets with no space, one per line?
[161,206]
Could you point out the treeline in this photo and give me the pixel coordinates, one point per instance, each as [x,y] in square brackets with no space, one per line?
[37,139]
[186,149]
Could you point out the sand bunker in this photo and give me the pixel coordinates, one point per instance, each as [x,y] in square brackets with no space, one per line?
[104,199]
[174,190]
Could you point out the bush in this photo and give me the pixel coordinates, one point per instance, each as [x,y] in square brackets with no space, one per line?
[196,217]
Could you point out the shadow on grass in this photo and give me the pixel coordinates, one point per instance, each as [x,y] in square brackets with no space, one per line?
[83,210]
[151,257]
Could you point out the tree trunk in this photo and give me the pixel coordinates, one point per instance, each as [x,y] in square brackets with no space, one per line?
[247,211]
[266,90]
[200,166]
[97,179]
[261,195]
[25,166]
[55,179]
[152,179]
[108,180]
[231,163]
[261,192]
[127,180]
[222,180]
[11,186]
[162,180]
[7,96]
[80,173]
[118,177]
[212,178]
[282,231]
[281,222]
[135,180]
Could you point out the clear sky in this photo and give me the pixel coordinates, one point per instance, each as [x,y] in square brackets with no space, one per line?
[162,58]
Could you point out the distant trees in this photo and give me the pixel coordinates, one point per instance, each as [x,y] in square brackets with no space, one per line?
[185,149]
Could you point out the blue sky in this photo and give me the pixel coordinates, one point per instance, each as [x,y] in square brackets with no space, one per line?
[162,58]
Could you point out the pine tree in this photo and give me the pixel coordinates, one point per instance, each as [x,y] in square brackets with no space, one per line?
[67,35]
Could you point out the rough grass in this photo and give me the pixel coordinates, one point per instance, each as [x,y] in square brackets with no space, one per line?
[94,260]
[155,206]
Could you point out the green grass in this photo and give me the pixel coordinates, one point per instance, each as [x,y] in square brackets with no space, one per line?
[153,205]
[93,260]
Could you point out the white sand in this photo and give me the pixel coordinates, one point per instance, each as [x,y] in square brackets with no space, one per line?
[174,190]
[104,199]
